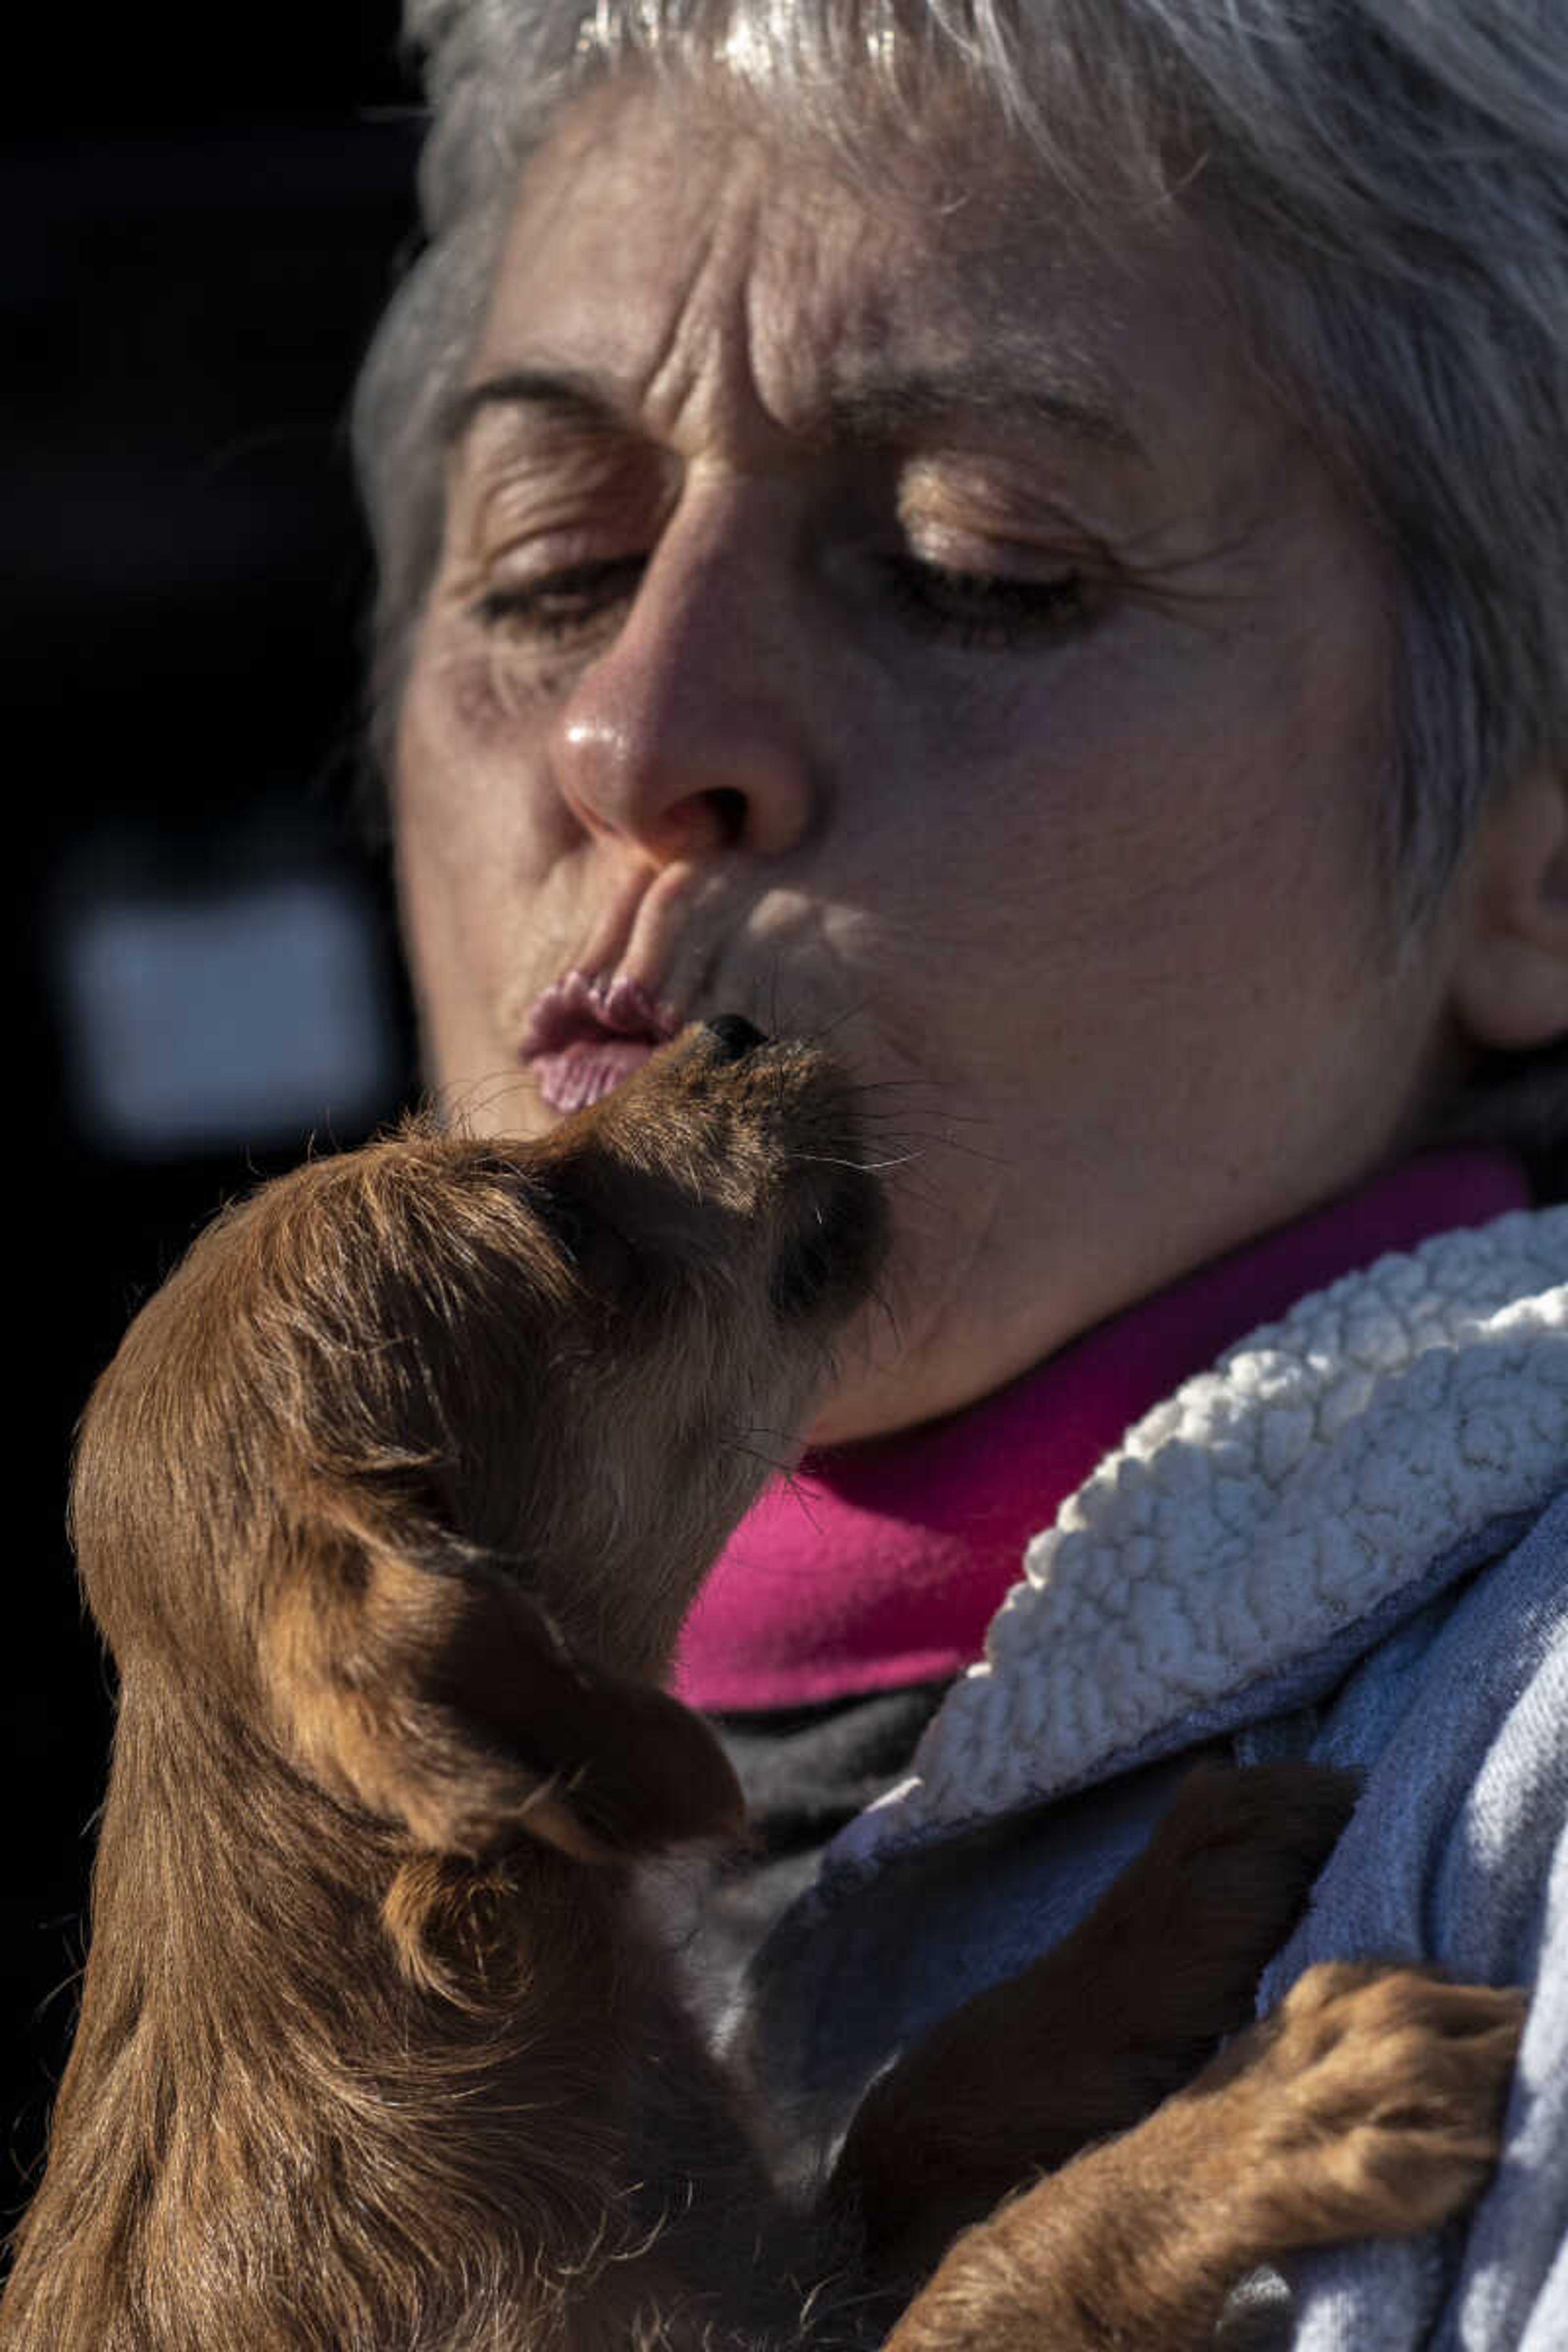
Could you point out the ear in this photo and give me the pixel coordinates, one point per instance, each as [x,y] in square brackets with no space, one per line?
[1511,969]
[445,1700]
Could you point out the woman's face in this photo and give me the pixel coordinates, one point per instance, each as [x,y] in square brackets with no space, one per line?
[903,618]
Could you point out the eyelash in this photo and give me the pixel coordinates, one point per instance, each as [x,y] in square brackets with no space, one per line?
[564,605]
[978,611]
[986,611]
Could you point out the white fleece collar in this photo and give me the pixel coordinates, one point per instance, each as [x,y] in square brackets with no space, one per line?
[1325,1465]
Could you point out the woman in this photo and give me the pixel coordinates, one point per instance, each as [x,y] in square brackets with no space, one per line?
[1040,542]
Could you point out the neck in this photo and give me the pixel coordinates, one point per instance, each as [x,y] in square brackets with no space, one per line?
[273,2094]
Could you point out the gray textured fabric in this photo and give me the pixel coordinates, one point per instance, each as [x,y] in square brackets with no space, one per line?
[1446,1685]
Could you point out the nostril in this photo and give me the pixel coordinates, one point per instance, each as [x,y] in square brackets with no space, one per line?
[728,809]
[735,1035]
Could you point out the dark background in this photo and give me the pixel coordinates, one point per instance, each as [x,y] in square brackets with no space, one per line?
[200,223]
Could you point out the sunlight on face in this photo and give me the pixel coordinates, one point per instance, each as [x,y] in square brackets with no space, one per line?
[903,619]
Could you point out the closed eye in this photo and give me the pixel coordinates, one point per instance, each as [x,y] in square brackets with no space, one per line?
[601,1254]
[561,604]
[989,610]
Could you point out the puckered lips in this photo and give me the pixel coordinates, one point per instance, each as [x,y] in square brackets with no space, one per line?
[586,1034]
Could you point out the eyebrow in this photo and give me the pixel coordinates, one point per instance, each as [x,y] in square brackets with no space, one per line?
[871,407]
[559,390]
[878,407]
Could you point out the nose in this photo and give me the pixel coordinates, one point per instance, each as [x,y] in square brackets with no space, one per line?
[691,732]
[733,1036]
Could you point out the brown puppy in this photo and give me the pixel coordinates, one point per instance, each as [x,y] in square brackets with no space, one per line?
[391,1505]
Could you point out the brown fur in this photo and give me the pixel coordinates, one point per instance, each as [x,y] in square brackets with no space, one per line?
[391,1505]
[1356,2111]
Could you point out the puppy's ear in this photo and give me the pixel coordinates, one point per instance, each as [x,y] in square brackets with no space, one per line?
[446,1701]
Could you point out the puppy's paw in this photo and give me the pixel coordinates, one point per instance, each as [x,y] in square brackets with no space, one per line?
[446,1702]
[1377,2098]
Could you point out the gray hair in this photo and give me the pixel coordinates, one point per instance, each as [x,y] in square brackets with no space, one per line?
[1386,181]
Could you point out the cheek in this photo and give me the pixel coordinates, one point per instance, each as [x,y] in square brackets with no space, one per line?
[1025,878]
[470,767]
[476,828]
[469,861]
[1132,901]
[1160,811]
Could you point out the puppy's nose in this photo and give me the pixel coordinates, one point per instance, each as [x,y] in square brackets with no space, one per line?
[734,1036]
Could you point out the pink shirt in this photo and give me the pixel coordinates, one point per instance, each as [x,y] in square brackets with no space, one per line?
[882,1564]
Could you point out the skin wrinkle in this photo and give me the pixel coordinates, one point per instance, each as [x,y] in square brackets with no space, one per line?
[867,408]
[1043,879]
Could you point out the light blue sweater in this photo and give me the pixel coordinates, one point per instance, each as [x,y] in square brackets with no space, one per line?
[1347,1543]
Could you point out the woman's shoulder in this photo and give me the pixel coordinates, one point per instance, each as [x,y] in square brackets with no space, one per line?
[1457,1857]
[1348,1541]
[1274,1523]
[1457,1722]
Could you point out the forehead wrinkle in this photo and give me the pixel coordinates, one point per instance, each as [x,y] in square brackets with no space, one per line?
[705,352]
[761,278]
[872,407]
[764,332]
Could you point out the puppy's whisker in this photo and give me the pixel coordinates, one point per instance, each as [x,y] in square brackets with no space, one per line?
[959,1149]
[785,1475]
[826,1030]
[880,1305]
[462,1110]
[862,1167]
[777,1464]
